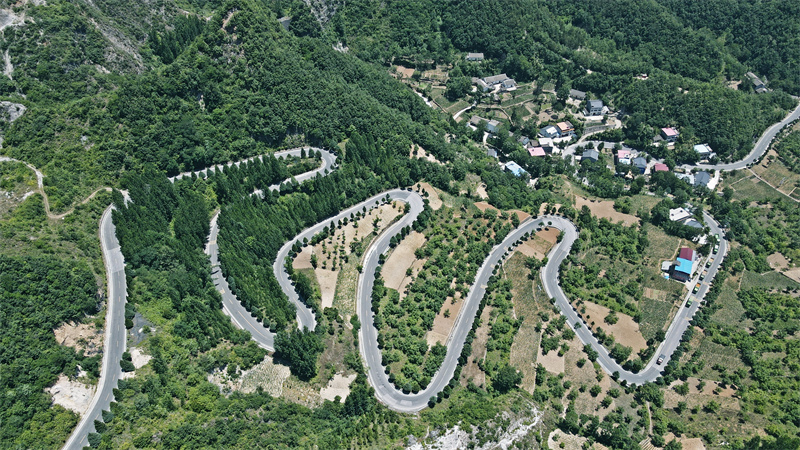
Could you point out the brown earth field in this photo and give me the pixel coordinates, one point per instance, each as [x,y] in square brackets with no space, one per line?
[625,331]
[605,208]
[401,259]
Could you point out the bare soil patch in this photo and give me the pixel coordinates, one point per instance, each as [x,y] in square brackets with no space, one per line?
[81,336]
[442,326]
[793,274]
[433,196]
[405,72]
[777,261]
[605,209]
[401,259]
[303,259]
[139,359]
[549,234]
[339,385]
[551,361]
[570,441]
[471,370]
[481,191]
[422,154]
[71,394]
[625,331]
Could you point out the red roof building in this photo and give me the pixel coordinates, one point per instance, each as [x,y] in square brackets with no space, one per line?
[660,167]
[687,254]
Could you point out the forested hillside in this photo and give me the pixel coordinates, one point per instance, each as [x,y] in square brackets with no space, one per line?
[38,295]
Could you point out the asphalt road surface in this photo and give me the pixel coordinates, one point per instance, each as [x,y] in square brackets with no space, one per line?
[114,344]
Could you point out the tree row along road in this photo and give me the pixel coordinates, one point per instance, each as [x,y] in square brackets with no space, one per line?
[115,338]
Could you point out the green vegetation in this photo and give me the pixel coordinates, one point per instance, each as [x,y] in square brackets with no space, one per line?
[455,249]
[38,295]
[789,151]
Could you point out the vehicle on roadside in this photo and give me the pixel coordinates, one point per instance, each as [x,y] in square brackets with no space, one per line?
[661,359]
[716,248]
[689,303]
[703,275]
[710,261]
[696,288]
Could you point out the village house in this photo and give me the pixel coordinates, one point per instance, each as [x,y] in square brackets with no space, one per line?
[594,108]
[660,167]
[624,156]
[684,265]
[546,144]
[565,128]
[590,155]
[549,132]
[702,179]
[759,86]
[474,56]
[536,151]
[640,164]
[577,95]
[704,151]
[515,168]
[669,134]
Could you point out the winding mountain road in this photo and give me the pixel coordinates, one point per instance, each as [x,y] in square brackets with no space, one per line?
[761,146]
[115,337]
[679,324]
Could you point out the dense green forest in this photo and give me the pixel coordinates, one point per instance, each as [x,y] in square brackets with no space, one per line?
[38,295]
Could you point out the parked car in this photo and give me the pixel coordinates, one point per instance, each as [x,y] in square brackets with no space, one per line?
[696,288]
[710,261]
[688,303]
[661,359]
[703,275]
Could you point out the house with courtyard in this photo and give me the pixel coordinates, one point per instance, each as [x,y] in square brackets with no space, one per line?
[494,80]
[491,125]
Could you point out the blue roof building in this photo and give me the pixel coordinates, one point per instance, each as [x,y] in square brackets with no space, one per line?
[514,168]
[682,270]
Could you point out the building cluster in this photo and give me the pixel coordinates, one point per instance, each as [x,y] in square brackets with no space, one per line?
[502,82]
[759,86]
[685,217]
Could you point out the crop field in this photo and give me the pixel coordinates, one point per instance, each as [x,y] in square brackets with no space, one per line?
[767,281]
[656,315]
